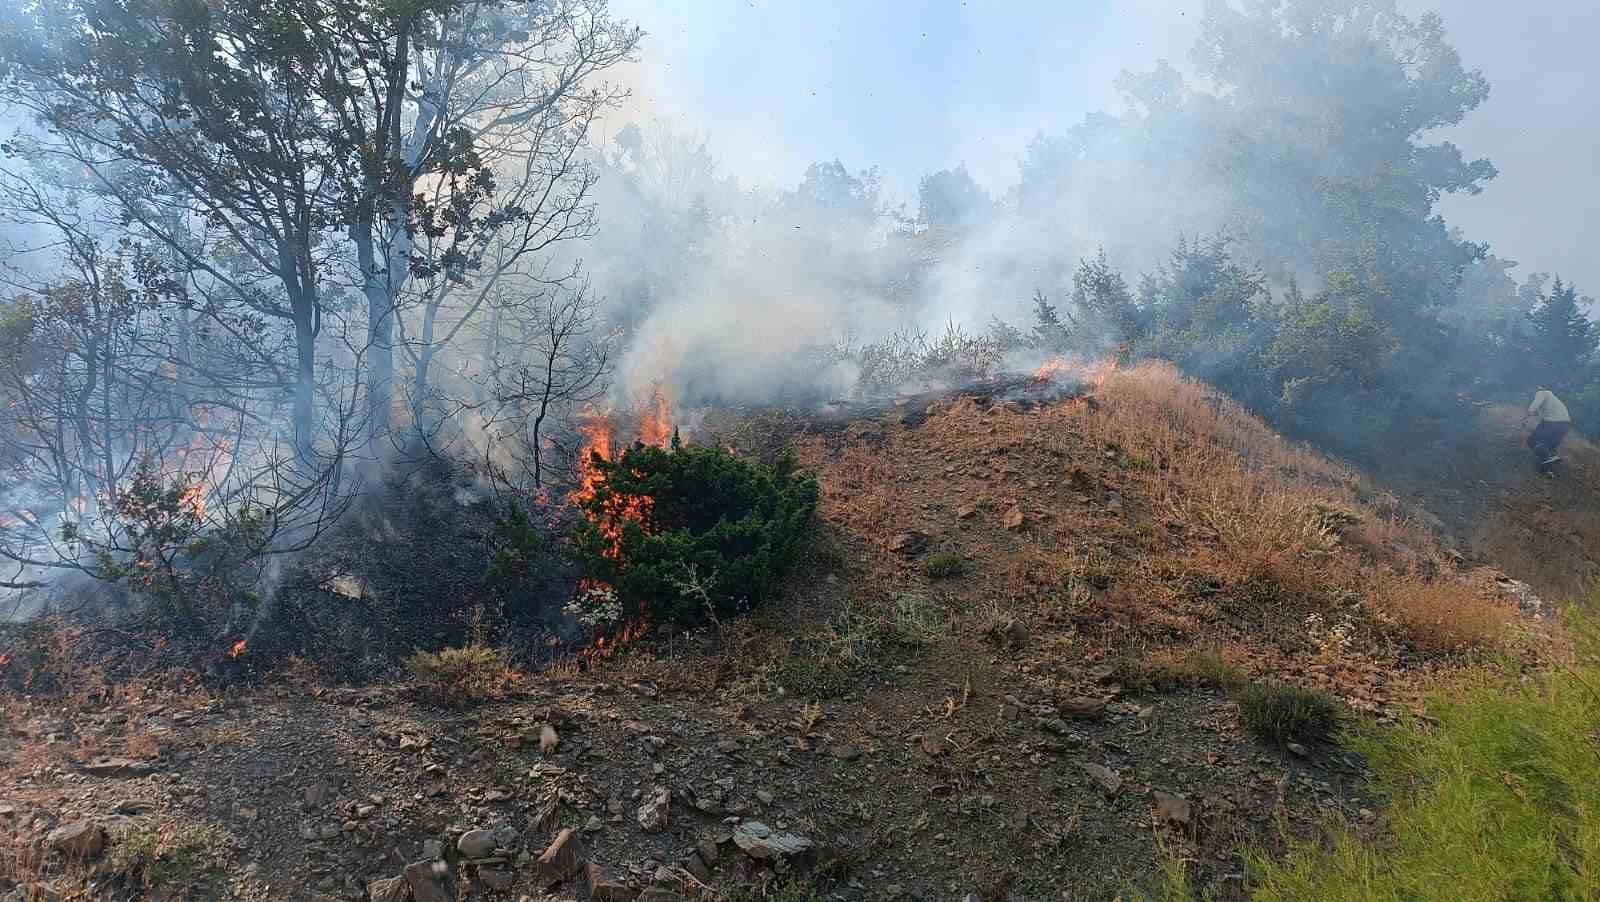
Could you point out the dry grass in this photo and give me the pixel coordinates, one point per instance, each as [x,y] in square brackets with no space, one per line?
[461,676]
[1444,615]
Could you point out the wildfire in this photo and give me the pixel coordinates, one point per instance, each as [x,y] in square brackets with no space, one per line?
[238,649]
[1048,371]
[654,419]
[193,499]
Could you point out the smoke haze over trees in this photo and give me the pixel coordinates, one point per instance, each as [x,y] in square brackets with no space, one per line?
[271,252]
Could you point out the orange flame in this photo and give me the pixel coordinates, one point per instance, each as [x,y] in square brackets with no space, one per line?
[193,500]
[1048,371]
[237,650]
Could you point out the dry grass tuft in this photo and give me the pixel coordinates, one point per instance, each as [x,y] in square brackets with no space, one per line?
[461,676]
[1444,615]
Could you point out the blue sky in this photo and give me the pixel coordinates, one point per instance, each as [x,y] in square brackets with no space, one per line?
[921,85]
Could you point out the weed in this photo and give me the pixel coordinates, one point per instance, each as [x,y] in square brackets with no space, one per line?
[1495,796]
[1197,668]
[460,676]
[916,621]
[943,565]
[1281,713]
[1444,615]
[153,853]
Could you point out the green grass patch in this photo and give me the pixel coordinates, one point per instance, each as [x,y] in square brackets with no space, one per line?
[944,565]
[1495,796]
[1281,713]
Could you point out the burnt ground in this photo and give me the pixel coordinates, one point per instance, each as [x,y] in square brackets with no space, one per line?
[933,734]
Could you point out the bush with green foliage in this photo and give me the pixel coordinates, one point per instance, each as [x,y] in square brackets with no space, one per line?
[713,537]
[1495,796]
[1279,712]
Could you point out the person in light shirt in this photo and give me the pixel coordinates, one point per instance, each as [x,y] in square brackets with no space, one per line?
[1554,421]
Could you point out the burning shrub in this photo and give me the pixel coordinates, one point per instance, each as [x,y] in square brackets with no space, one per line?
[685,534]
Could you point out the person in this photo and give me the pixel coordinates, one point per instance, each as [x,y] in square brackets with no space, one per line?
[1554,421]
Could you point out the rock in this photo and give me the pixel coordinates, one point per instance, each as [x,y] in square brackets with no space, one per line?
[562,859]
[1015,632]
[966,513]
[429,881]
[388,889]
[78,839]
[1083,707]
[765,844]
[844,752]
[698,868]
[432,850]
[1296,748]
[654,814]
[594,824]
[1054,725]
[548,739]
[909,543]
[708,851]
[316,794]
[1172,809]
[1014,519]
[607,886]
[494,878]
[476,844]
[117,767]
[1110,781]
[764,797]
[506,836]
[932,746]
[659,894]
[1114,503]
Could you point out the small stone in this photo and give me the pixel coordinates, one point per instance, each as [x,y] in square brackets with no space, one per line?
[659,894]
[698,868]
[1296,748]
[548,739]
[432,850]
[1173,809]
[476,843]
[496,879]
[1110,781]
[966,512]
[909,543]
[316,794]
[708,851]
[654,813]
[932,746]
[765,844]
[1083,707]
[117,767]
[844,752]
[594,824]
[506,836]
[562,859]
[78,839]
[429,881]
[607,886]
[1014,519]
[1016,633]
[764,797]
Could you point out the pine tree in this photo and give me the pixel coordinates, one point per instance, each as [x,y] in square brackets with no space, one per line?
[1563,339]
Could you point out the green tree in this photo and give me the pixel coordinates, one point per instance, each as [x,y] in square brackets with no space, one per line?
[1562,341]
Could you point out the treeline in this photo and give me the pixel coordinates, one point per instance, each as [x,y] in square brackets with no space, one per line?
[1271,228]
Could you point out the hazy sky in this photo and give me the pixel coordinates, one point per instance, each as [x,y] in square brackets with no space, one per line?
[919,85]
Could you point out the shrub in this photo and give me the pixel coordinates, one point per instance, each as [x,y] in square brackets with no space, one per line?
[460,676]
[943,565]
[1278,712]
[1495,796]
[153,853]
[1445,615]
[1198,668]
[686,534]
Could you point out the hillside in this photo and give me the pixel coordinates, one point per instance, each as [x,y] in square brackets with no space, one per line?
[1033,655]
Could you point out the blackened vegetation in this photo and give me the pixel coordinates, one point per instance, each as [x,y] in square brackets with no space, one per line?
[690,534]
